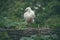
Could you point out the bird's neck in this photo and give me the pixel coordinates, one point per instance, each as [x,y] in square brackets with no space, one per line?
[29,10]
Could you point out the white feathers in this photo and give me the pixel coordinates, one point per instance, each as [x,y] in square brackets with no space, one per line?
[29,15]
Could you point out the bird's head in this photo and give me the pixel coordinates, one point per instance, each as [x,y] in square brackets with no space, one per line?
[28,9]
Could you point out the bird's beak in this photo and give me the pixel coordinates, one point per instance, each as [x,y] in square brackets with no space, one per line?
[26,9]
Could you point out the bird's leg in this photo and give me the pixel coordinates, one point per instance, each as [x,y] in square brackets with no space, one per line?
[26,24]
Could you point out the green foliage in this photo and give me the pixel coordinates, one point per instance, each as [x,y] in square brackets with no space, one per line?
[47,13]
[11,12]
[4,36]
[41,37]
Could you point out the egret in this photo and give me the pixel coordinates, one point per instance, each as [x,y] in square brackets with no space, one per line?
[29,15]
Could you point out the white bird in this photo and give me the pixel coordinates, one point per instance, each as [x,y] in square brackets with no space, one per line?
[29,15]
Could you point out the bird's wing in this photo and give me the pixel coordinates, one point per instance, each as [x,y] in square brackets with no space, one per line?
[26,15]
[33,14]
